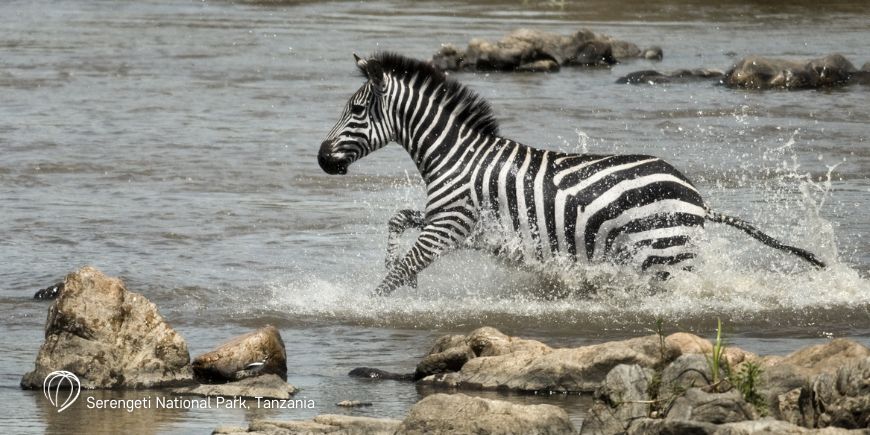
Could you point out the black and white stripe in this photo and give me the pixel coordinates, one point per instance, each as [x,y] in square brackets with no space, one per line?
[630,209]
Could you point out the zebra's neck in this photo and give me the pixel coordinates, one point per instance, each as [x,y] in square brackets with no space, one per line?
[437,123]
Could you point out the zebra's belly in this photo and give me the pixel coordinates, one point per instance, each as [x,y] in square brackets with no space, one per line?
[641,250]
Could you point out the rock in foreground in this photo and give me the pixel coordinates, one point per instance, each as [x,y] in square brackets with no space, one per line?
[458,413]
[436,414]
[537,51]
[257,353]
[488,359]
[269,386]
[109,337]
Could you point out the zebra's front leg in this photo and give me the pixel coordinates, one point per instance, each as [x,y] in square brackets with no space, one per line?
[434,240]
[398,224]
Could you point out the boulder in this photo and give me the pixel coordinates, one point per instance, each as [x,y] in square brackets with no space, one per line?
[783,375]
[717,408]
[269,386]
[534,50]
[256,353]
[502,362]
[109,337]
[649,426]
[49,293]
[322,424]
[458,413]
[688,371]
[622,398]
[842,399]
[765,73]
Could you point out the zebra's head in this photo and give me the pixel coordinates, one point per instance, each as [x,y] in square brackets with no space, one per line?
[363,126]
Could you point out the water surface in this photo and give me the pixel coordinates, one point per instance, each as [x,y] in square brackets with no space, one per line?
[174,144]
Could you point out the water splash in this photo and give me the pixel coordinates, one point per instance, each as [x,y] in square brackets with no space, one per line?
[735,277]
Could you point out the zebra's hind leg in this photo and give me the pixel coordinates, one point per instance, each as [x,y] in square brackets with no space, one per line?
[398,224]
[435,238]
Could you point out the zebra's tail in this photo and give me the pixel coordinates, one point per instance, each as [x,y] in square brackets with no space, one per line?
[748,228]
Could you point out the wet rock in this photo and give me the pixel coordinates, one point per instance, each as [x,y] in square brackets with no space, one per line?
[322,424]
[270,386]
[758,72]
[458,413]
[622,398]
[502,362]
[652,77]
[543,65]
[650,426]
[653,53]
[771,426]
[796,406]
[717,408]
[534,50]
[372,373]
[353,404]
[253,354]
[843,399]
[797,371]
[109,337]
[49,293]
[687,371]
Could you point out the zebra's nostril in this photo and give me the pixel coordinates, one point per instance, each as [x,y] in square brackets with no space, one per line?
[329,162]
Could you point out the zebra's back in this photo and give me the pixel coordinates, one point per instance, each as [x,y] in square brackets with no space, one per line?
[625,208]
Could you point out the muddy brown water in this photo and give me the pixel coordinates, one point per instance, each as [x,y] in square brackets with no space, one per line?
[173,144]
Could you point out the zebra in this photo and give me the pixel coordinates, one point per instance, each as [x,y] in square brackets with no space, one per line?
[634,210]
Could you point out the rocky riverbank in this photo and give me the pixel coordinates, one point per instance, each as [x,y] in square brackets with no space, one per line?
[110,337]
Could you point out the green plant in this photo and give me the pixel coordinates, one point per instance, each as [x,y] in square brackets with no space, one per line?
[748,381]
[716,362]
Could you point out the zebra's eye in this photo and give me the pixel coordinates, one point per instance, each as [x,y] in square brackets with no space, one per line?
[357,109]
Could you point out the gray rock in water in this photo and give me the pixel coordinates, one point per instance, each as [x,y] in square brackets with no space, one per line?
[458,413]
[269,386]
[534,50]
[109,337]
[758,72]
[716,408]
[253,354]
[502,362]
[653,77]
[49,293]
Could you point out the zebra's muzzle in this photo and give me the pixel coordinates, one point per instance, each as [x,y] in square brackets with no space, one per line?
[329,162]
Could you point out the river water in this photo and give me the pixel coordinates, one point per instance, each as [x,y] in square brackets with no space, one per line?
[173,144]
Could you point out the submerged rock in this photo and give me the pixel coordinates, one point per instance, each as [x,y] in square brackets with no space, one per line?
[653,77]
[270,386]
[49,293]
[253,354]
[109,337]
[534,50]
[458,413]
[758,72]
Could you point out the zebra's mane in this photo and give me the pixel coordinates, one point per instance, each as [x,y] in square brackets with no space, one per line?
[473,107]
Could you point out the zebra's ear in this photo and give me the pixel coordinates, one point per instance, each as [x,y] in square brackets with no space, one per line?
[360,63]
[375,73]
